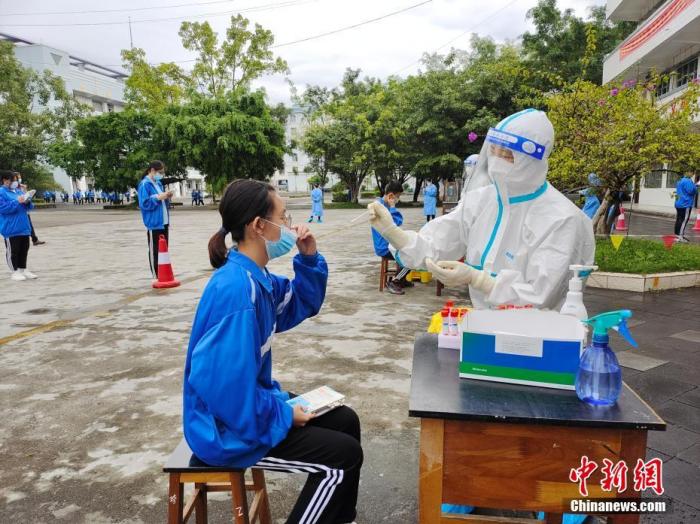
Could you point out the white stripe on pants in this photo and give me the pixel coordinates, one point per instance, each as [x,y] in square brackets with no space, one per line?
[8,254]
[325,489]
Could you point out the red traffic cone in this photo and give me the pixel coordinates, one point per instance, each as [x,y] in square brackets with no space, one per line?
[696,227]
[620,225]
[669,240]
[165,268]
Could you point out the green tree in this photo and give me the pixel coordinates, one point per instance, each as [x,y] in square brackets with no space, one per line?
[619,134]
[115,148]
[226,137]
[153,87]
[25,132]
[243,56]
[568,46]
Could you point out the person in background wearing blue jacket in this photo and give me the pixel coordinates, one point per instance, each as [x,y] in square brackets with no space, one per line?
[685,197]
[430,193]
[234,413]
[592,202]
[316,204]
[14,225]
[153,201]
[392,194]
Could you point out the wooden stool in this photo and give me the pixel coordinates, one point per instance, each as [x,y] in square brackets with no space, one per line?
[385,272]
[183,468]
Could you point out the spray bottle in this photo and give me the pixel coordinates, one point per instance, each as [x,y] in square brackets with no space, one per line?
[599,380]
[574,298]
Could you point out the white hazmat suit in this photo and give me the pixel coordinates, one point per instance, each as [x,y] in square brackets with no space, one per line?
[518,234]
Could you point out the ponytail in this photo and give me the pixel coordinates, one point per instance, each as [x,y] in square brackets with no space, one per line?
[154,164]
[242,202]
[217,248]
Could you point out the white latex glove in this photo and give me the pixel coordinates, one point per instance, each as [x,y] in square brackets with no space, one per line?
[453,273]
[381,220]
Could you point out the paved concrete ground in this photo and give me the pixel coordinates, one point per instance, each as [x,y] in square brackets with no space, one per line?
[91,363]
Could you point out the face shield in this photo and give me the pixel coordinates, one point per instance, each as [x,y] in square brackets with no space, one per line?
[514,155]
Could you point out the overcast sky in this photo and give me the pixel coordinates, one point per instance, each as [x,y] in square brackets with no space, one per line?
[388,46]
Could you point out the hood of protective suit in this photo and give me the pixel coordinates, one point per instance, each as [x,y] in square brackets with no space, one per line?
[528,173]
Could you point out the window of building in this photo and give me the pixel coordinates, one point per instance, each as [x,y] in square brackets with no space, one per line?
[664,86]
[672,178]
[110,108]
[653,180]
[687,72]
[97,106]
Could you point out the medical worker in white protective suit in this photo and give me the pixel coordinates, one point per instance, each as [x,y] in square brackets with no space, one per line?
[518,234]
[469,168]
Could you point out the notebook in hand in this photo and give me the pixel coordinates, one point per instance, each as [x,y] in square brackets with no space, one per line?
[318,401]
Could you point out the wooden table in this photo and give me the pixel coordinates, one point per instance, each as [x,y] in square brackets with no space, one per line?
[507,446]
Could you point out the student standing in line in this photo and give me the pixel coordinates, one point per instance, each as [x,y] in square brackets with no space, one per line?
[685,198]
[14,225]
[153,201]
[22,189]
[234,413]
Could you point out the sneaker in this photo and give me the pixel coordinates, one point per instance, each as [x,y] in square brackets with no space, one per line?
[394,288]
[320,221]
[686,239]
[17,276]
[311,219]
[406,283]
[39,243]
[28,274]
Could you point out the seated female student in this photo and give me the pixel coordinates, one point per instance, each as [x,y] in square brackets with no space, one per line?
[234,413]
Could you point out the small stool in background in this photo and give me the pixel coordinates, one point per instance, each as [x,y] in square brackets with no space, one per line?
[385,273]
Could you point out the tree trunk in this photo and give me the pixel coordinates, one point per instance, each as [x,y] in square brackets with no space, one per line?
[599,222]
[416,191]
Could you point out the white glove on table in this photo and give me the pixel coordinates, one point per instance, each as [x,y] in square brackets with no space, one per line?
[381,220]
[454,273]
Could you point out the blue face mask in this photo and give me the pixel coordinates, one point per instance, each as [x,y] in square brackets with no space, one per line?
[158,176]
[14,185]
[278,248]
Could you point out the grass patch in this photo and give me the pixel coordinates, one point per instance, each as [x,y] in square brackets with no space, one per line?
[638,255]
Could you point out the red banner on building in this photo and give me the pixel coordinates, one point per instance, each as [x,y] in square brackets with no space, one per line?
[671,11]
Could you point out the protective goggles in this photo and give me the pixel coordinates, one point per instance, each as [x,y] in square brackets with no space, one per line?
[515,143]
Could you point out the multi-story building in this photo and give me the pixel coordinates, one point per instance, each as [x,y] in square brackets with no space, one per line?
[96,86]
[666,42]
[99,87]
[294,178]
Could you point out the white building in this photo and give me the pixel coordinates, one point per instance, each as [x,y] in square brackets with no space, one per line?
[667,41]
[293,178]
[97,86]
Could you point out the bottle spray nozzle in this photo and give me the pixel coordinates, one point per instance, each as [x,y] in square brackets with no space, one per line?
[616,320]
[582,271]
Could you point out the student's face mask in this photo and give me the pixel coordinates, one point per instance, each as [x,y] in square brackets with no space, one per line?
[159,175]
[14,185]
[278,248]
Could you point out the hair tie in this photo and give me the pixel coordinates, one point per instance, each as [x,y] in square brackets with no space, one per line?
[223,231]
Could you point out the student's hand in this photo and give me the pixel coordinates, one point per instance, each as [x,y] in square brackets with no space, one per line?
[301,417]
[306,243]
[170,193]
[162,196]
[21,199]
